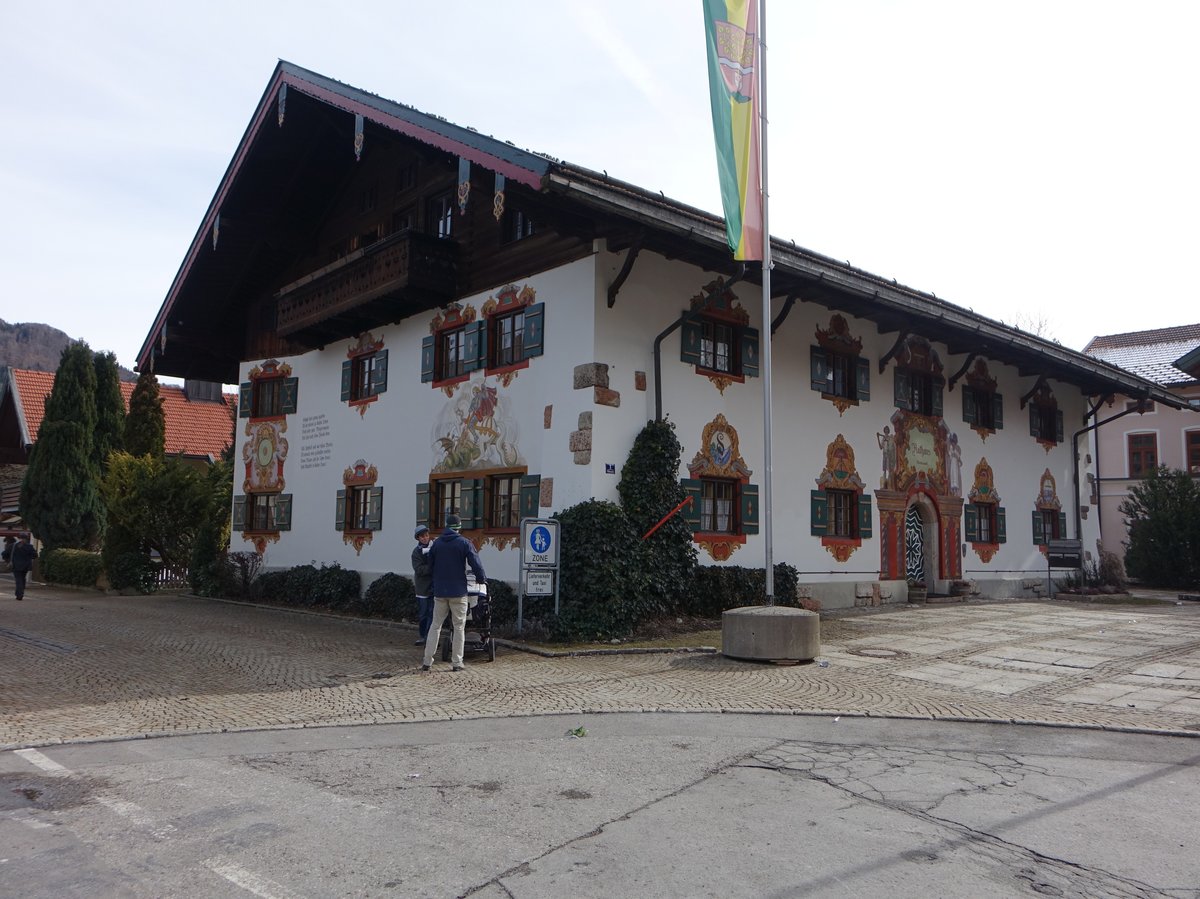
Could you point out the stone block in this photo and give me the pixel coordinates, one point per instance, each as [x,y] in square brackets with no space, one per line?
[603,396]
[591,374]
[585,421]
[767,633]
[547,414]
[639,380]
[583,457]
[580,441]
[546,493]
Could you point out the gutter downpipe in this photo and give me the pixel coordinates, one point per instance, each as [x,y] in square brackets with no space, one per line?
[1075,461]
[687,315]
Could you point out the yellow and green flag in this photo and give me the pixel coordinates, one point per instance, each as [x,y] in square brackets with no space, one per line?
[731,29]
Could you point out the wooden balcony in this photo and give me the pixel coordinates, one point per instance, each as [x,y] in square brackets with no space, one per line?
[393,278]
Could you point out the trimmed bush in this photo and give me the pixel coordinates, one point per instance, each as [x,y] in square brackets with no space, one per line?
[302,582]
[390,596]
[603,584]
[271,586]
[76,567]
[236,573]
[337,587]
[716,588]
[132,570]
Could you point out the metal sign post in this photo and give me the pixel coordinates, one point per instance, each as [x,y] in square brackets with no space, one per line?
[539,563]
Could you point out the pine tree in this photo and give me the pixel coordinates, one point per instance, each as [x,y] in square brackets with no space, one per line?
[110,410]
[60,495]
[146,426]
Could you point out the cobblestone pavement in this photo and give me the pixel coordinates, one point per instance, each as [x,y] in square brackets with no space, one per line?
[83,666]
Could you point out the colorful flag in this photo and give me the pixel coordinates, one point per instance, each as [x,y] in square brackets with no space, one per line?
[731,29]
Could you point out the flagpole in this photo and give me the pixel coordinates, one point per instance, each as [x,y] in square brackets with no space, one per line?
[765,500]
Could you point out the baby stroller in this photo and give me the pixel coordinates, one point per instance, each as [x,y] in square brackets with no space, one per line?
[478,636]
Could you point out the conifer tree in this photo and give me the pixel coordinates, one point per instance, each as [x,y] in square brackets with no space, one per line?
[146,426]
[60,497]
[110,410]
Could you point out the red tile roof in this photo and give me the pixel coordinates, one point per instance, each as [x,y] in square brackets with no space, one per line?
[193,428]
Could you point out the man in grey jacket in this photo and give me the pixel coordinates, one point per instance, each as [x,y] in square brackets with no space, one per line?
[422,580]
[449,556]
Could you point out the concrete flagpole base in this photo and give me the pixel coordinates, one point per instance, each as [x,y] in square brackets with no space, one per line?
[770,633]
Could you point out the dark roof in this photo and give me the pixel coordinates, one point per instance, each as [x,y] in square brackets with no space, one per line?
[258,178]
[1151,354]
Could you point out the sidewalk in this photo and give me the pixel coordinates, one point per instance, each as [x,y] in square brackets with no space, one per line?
[81,666]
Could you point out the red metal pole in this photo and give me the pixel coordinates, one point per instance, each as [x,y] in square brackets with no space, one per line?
[665,517]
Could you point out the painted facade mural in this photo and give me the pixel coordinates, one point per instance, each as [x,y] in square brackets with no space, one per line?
[720,457]
[841,474]
[476,430]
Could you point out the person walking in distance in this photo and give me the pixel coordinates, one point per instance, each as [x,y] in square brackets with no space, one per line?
[422,581]
[449,556]
[23,555]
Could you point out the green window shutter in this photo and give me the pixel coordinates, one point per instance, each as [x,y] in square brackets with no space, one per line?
[375,509]
[970,524]
[427,359]
[865,519]
[245,399]
[379,374]
[935,396]
[475,342]
[289,396]
[691,512]
[997,411]
[239,513]
[531,495]
[347,378]
[423,504]
[1001,526]
[818,369]
[283,512]
[1062,524]
[749,508]
[473,511]
[969,414]
[533,340]
[902,390]
[339,521]
[1039,535]
[691,334]
[749,348]
[1035,422]
[1058,426]
[819,510]
[862,375]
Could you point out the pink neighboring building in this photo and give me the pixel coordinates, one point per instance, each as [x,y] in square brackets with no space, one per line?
[1126,449]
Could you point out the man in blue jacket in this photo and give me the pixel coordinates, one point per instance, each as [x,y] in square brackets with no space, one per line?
[449,556]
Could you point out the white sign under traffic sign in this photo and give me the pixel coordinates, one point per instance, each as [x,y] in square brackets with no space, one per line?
[539,582]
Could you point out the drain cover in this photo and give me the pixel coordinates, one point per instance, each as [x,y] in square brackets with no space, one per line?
[878,652]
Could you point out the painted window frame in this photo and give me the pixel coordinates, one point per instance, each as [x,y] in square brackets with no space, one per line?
[262,513]
[1191,451]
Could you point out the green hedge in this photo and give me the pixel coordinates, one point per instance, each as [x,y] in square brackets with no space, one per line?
[390,596]
[76,567]
[717,588]
[330,586]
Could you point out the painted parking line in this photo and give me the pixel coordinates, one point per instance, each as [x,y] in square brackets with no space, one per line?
[249,881]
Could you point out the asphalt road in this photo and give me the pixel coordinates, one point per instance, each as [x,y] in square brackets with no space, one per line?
[637,805]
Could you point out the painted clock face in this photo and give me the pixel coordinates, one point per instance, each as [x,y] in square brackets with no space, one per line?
[266,449]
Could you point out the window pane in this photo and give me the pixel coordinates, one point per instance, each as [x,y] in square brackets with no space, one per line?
[717,507]
[843,513]
[1193,452]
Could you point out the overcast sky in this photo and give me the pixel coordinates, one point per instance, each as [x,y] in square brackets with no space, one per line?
[1034,161]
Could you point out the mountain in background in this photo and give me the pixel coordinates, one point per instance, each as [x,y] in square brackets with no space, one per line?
[37,347]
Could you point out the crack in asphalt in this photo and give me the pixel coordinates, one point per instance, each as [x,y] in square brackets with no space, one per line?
[1048,875]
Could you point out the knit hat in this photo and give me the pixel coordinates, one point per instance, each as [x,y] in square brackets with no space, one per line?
[453,522]
[421,529]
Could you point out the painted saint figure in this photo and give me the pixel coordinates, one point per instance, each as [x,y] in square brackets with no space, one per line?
[887,443]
